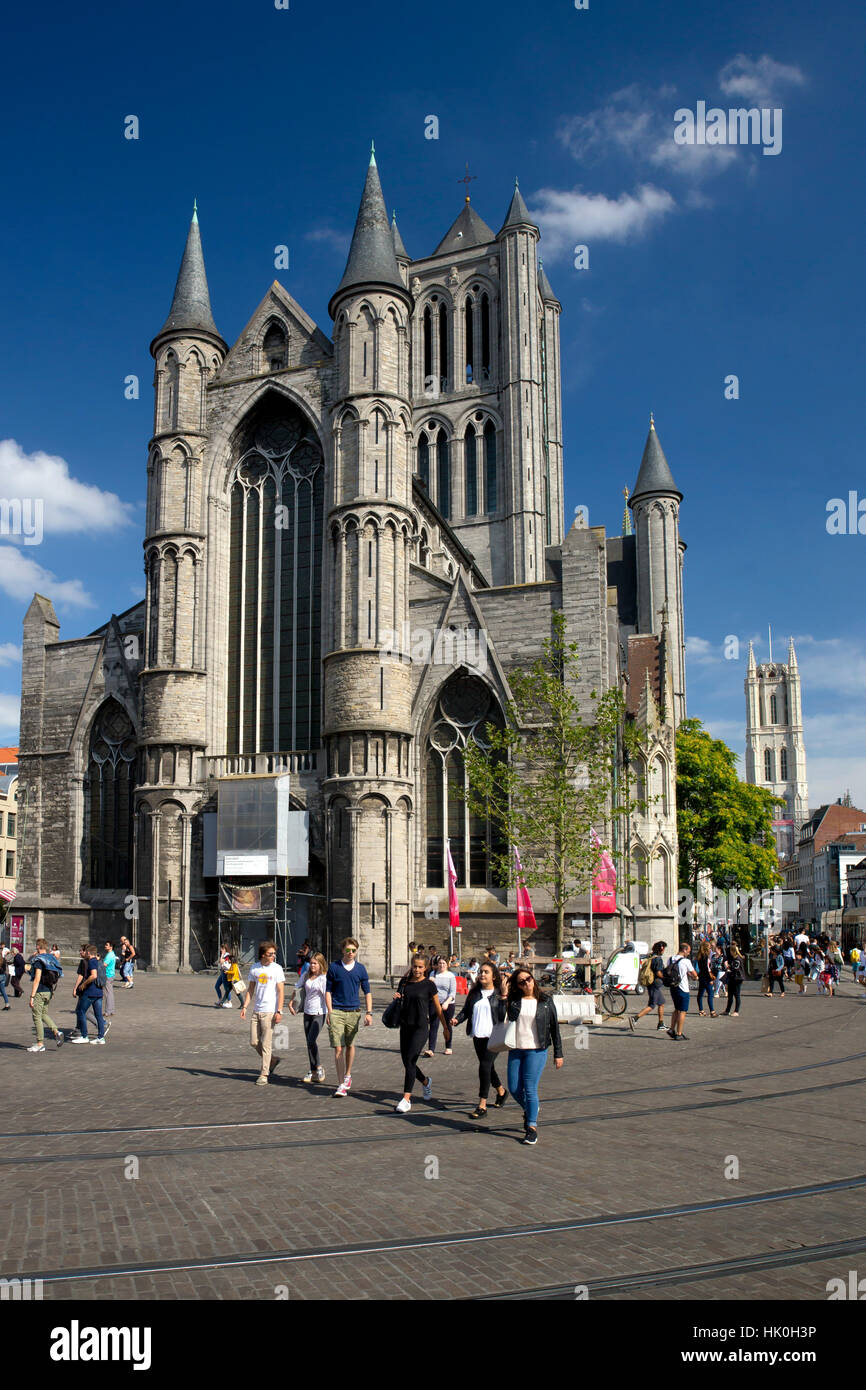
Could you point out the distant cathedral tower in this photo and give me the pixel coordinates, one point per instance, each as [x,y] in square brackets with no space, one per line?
[775,754]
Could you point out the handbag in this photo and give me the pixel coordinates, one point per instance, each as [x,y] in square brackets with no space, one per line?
[239,988]
[392,1015]
[496,1042]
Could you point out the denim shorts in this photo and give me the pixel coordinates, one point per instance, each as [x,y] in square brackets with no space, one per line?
[680,999]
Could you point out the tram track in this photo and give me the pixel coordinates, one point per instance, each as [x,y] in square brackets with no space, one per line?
[488,1235]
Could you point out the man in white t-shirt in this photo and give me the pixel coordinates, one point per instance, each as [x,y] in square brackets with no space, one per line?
[683,972]
[801,939]
[267,985]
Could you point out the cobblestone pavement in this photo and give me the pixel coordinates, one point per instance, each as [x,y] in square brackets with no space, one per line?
[157,1150]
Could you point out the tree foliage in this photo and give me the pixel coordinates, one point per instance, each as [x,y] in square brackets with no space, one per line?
[546,778]
[724,826]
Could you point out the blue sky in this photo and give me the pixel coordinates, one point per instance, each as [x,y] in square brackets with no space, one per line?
[703,262]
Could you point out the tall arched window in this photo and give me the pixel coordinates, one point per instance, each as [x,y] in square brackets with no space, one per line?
[424,461]
[110,784]
[471,471]
[783,765]
[468,312]
[443,474]
[768,765]
[485,337]
[463,710]
[274,348]
[640,887]
[490,491]
[773,710]
[276,528]
[443,346]
[427,325]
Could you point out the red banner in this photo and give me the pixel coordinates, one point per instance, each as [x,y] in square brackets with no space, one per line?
[525,915]
[604,883]
[453,908]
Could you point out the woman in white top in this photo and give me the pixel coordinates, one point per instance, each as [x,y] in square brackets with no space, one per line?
[536,1028]
[312,990]
[485,1007]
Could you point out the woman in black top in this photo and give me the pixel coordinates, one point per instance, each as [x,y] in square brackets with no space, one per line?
[417,994]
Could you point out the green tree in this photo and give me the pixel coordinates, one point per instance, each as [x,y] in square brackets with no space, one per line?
[724,826]
[546,778]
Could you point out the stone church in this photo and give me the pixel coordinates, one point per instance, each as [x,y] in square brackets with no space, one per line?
[350,540]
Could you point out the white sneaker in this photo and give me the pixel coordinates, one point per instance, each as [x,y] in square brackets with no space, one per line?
[347,1081]
[308,1078]
[79,1039]
[37,1047]
[341,1090]
[428,1088]
[226,1005]
[402,1106]
[96,1042]
[320,1071]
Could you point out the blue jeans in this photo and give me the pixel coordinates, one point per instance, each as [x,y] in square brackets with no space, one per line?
[81,1014]
[223,979]
[6,996]
[525,1066]
[708,990]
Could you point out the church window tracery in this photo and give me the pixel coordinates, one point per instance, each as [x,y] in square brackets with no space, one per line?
[768,765]
[109,787]
[463,711]
[490,481]
[783,765]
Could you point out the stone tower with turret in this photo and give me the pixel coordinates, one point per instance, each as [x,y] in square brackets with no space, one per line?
[655,506]
[775,751]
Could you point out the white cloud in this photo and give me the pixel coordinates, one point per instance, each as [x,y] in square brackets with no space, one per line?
[338,241]
[758,80]
[570,217]
[700,652]
[21,576]
[9,653]
[10,714]
[68,505]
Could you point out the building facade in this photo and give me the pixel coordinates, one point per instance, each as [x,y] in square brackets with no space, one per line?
[350,540]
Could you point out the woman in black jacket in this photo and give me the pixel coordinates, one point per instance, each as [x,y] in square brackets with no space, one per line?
[485,1007]
[536,1027]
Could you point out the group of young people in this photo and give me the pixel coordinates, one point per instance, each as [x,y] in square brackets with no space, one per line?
[716,968]
[92,993]
[502,1014]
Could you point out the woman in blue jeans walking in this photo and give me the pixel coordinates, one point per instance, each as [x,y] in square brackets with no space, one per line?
[536,1027]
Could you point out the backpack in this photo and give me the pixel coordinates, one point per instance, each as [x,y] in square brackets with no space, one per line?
[646,975]
[101,975]
[737,969]
[50,976]
[671,973]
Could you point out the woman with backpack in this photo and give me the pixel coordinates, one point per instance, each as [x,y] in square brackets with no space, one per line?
[45,973]
[734,980]
[88,992]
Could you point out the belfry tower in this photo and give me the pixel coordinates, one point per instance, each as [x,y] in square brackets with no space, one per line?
[367,717]
[775,752]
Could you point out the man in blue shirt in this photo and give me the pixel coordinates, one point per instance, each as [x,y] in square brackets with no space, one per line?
[346,977]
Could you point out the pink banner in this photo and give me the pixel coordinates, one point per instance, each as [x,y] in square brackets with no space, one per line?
[604,883]
[453,909]
[525,915]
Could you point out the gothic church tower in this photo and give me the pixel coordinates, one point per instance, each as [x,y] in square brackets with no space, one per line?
[775,753]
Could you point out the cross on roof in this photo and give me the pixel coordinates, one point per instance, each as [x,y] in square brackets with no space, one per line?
[467,177]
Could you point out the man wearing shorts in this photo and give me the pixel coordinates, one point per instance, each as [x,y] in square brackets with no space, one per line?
[346,978]
[656,988]
[680,992]
[267,983]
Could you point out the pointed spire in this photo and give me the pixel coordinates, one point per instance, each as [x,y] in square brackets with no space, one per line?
[399,249]
[626,515]
[467,230]
[547,295]
[752,668]
[647,710]
[792,656]
[190,310]
[517,214]
[654,475]
[371,256]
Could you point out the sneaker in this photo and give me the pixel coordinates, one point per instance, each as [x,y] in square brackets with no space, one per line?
[96,1042]
[428,1088]
[630,1022]
[226,1005]
[684,1037]
[79,1039]
[37,1047]
[402,1106]
[427,1053]
[341,1090]
[670,1032]
[659,1025]
[261,1081]
[531,1136]
[320,1073]
[59,1037]
[308,1078]
[347,1081]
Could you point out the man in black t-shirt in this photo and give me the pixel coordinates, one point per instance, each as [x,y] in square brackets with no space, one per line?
[655,989]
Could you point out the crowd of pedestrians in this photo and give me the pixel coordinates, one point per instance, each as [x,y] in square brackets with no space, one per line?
[39,976]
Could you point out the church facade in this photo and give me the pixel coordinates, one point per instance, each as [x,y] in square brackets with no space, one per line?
[350,541]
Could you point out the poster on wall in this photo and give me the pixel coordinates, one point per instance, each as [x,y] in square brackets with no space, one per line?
[16,932]
[246,900]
